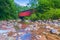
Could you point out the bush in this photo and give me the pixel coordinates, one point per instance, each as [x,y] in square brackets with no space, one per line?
[50,14]
[53,14]
[32,17]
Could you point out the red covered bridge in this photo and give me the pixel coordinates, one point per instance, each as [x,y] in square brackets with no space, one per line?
[25,13]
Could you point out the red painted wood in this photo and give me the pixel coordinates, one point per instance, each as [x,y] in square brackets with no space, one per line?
[26,13]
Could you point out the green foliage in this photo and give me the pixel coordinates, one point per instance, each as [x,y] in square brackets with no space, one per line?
[32,17]
[56,3]
[43,6]
[52,14]
[33,4]
[7,10]
[47,9]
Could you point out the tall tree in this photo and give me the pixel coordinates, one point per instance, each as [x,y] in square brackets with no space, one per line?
[7,9]
[33,3]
